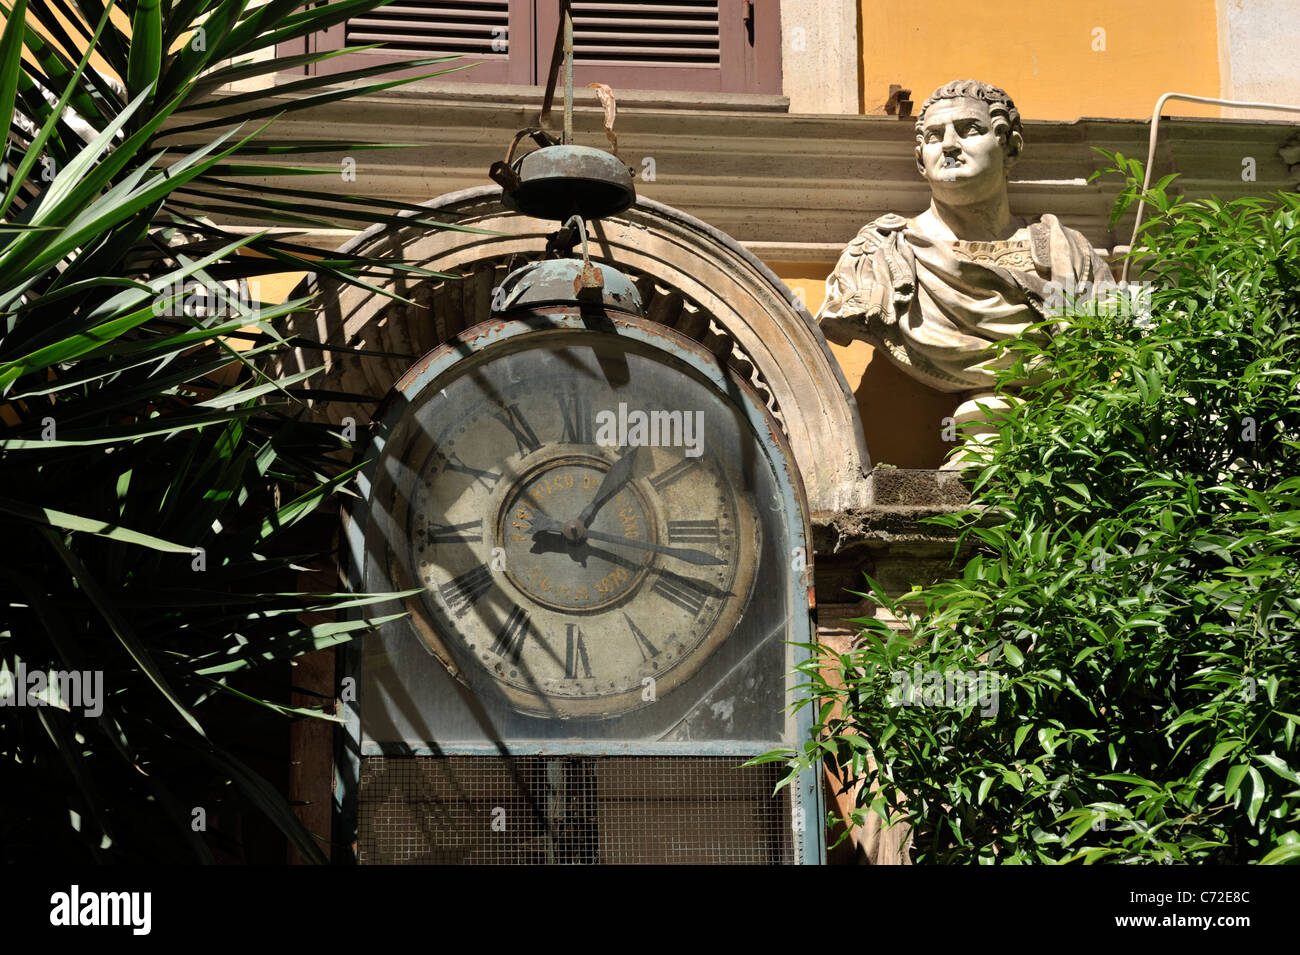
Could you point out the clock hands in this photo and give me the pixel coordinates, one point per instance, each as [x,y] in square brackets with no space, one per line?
[542,545]
[577,531]
[610,484]
[681,553]
[698,557]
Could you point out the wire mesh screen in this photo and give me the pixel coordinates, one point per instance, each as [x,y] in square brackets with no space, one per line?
[538,810]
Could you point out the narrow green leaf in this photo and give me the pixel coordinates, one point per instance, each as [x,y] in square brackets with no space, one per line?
[49,517]
[294,643]
[1278,766]
[145,59]
[1021,733]
[1282,855]
[11,51]
[43,134]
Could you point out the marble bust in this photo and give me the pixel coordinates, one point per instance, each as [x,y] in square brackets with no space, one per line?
[936,291]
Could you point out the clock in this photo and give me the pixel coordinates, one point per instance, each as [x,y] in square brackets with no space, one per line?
[578,515]
[577,520]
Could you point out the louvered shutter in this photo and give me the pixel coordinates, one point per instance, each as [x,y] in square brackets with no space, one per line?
[704,45]
[497,36]
[701,45]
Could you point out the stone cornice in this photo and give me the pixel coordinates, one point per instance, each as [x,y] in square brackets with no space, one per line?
[788,182]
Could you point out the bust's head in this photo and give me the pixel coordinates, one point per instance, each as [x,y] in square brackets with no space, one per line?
[968,136]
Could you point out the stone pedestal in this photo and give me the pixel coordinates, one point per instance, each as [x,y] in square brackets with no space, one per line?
[886,539]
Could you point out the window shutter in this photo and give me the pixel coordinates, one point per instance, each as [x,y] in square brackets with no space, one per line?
[686,33]
[496,36]
[702,45]
[731,46]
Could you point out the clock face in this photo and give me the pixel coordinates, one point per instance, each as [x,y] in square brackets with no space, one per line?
[578,514]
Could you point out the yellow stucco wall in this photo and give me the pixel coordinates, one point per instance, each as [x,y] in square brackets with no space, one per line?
[118,18]
[1042,53]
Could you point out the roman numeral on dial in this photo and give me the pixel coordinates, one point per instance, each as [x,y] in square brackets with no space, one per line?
[693,532]
[510,638]
[525,440]
[488,478]
[576,412]
[461,593]
[575,653]
[471,532]
[643,644]
[674,473]
[682,591]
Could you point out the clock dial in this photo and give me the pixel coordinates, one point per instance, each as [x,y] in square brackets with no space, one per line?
[579,522]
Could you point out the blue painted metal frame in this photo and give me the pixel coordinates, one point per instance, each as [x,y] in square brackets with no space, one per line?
[810,813]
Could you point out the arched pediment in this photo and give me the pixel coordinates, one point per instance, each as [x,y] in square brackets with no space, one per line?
[691,277]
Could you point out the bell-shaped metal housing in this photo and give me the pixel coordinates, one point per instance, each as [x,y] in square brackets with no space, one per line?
[567,282]
[556,182]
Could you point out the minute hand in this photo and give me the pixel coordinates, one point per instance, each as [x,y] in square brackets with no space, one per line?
[610,485]
[681,553]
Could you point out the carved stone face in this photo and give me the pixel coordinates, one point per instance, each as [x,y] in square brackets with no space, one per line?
[961,155]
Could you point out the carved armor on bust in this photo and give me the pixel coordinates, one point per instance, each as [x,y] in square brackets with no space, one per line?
[937,291]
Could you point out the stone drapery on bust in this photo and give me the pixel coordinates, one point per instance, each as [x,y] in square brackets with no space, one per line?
[937,291]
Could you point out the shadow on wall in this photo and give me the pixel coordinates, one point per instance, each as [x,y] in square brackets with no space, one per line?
[902,419]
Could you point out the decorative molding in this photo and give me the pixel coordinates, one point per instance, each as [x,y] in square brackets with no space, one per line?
[789,179]
[331,239]
[436,92]
[692,277]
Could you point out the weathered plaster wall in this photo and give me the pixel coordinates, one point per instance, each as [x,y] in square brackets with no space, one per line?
[1258,43]
[1043,55]
[819,55]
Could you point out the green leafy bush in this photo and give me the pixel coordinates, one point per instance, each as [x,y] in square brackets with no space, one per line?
[1135,590]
